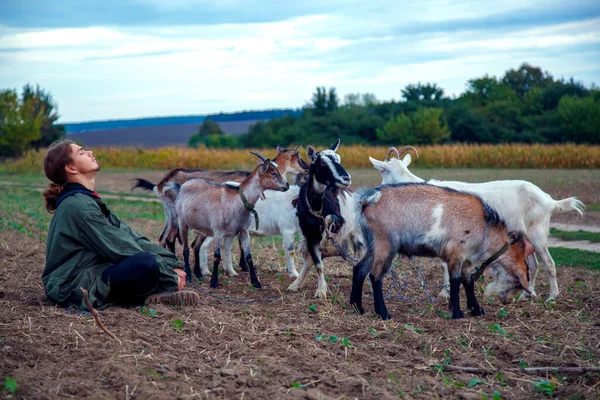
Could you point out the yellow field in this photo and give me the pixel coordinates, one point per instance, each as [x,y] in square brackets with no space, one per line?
[450,156]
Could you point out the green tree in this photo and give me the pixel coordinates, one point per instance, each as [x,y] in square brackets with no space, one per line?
[43,104]
[397,131]
[421,92]
[20,125]
[580,119]
[425,126]
[333,101]
[468,124]
[206,129]
[318,105]
[210,127]
[429,126]
[524,79]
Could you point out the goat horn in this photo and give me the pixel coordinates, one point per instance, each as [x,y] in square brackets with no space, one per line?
[403,151]
[263,158]
[296,148]
[390,151]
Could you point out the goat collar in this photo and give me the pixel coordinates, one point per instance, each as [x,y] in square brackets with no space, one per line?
[249,207]
[479,271]
[317,214]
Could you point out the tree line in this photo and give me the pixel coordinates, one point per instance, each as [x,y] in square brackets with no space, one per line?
[525,105]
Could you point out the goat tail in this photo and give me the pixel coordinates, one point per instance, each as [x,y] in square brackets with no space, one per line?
[569,204]
[144,184]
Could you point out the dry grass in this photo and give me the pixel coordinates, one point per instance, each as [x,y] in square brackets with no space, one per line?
[459,155]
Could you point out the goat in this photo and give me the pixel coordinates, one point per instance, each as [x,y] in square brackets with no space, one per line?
[288,162]
[522,205]
[277,216]
[319,210]
[425,220]
[223,211]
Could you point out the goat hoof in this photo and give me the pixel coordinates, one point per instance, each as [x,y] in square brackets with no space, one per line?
[214,285]
[257,285]
[320,294]
[524,296]
[231,273]
[457,314]
[244,267]
[293,287]
[385,316]
[477,312]
[444,294]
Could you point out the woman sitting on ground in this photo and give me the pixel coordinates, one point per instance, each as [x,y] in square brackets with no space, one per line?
[90,247]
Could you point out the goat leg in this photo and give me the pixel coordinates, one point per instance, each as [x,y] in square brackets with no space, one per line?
[244,238]
[214,279]
[377,284]
[197,270]
[186,264]
[454,298]
[472,304]
[359,273]
[243,263]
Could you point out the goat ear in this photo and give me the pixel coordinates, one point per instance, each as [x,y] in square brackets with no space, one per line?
[279,149]
[523,281]
[380,165]
[265,166]
[335,146]
[311,154]
[406,160]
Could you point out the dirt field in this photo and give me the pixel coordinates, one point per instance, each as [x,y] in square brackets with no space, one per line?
[276,344]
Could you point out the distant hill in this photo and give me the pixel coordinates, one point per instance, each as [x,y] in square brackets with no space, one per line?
[152,136]
[263,115]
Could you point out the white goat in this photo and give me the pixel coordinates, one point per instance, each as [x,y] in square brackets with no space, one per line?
[523,206]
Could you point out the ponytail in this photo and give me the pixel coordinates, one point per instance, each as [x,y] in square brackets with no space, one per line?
[57,158]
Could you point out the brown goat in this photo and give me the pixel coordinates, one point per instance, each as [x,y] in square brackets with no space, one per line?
[223,211]
[425,220]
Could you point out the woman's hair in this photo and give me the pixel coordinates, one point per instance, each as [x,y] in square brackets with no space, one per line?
[57,158]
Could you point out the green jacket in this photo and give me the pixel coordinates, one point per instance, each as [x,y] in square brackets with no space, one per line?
[84,239]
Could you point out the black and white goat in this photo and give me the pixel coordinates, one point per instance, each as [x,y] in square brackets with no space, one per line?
[522,205]
[430,221]
[319,206]
[223,211]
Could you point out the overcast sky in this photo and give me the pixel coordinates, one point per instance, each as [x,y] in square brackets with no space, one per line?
[114,59]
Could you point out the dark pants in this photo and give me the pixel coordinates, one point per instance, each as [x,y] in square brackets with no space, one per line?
[132,279]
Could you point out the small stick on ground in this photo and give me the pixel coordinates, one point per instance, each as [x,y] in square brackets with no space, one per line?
[528,370]
[94,313]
